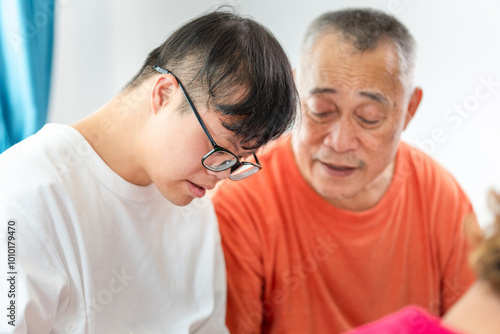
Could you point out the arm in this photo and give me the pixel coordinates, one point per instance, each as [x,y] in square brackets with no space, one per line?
[39,285]
[458,230]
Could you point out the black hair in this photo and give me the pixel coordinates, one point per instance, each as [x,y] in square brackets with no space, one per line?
[223,55]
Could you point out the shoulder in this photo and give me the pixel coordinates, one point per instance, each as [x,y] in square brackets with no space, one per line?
[424,166]
[37,173]
[434,192]
[49,152]
[426,174]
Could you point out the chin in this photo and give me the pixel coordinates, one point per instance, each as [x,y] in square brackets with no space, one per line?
[178,200]
[185,200]
[336,197]
[182,203]
[334,193]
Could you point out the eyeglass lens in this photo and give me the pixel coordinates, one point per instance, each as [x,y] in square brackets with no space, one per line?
[220,160]
[245,170]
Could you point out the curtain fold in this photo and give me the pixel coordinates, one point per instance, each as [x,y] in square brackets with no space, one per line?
[26,41]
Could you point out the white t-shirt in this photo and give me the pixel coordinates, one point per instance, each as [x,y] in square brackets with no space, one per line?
[92,253]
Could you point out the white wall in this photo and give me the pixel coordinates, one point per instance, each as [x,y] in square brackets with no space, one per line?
[100,44]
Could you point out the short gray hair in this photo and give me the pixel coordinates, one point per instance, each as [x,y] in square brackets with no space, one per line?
[364,29]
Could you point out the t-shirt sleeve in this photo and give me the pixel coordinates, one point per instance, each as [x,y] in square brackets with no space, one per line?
[35,288]
[458,275]
[456,228]
[244,267]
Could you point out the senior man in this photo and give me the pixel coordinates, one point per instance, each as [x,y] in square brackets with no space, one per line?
[346,223]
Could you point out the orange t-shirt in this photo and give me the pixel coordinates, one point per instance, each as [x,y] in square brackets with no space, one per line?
[297,264]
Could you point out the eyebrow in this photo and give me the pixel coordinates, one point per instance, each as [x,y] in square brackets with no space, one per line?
[320,90]
[248,154]
[375,96]
[252,152]
[244,148]
[372,96]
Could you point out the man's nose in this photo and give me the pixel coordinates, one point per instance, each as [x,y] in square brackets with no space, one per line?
[342,136]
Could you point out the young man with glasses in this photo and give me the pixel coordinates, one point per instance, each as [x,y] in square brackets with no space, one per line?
[112,229]
[219,159]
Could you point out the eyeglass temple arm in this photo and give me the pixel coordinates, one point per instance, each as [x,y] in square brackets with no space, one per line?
[165,71]
[256,160]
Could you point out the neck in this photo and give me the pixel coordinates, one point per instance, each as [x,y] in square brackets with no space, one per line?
[113,131]
[476,312]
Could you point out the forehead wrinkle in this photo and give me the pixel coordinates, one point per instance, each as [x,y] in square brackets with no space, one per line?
[363,84]
[348,60]
[371,95]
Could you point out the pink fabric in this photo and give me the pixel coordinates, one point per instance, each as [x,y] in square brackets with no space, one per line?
[410,320]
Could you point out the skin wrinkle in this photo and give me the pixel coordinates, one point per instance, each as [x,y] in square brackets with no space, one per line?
[405,54]
[388,67]
[359,94]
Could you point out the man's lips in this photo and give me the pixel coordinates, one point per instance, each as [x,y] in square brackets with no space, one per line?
[340,167]
[197,190]
[340,171]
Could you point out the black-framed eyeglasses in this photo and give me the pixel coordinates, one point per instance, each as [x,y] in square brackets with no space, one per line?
[219,158]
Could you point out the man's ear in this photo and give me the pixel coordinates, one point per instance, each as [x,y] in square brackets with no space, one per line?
[413,104]
[163,91]
[295,73]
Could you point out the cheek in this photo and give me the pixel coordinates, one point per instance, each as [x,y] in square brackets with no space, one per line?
[311,133]
[188,162]
[306,141]
[384,139]
[175,164]
[184,157]
[374,143]
[379,148]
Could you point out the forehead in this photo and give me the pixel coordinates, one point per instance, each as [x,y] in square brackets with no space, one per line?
[331,62]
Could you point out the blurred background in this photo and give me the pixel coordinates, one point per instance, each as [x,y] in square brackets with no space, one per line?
[80,53]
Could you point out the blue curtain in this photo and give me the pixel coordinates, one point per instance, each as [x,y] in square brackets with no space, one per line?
[26,38]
